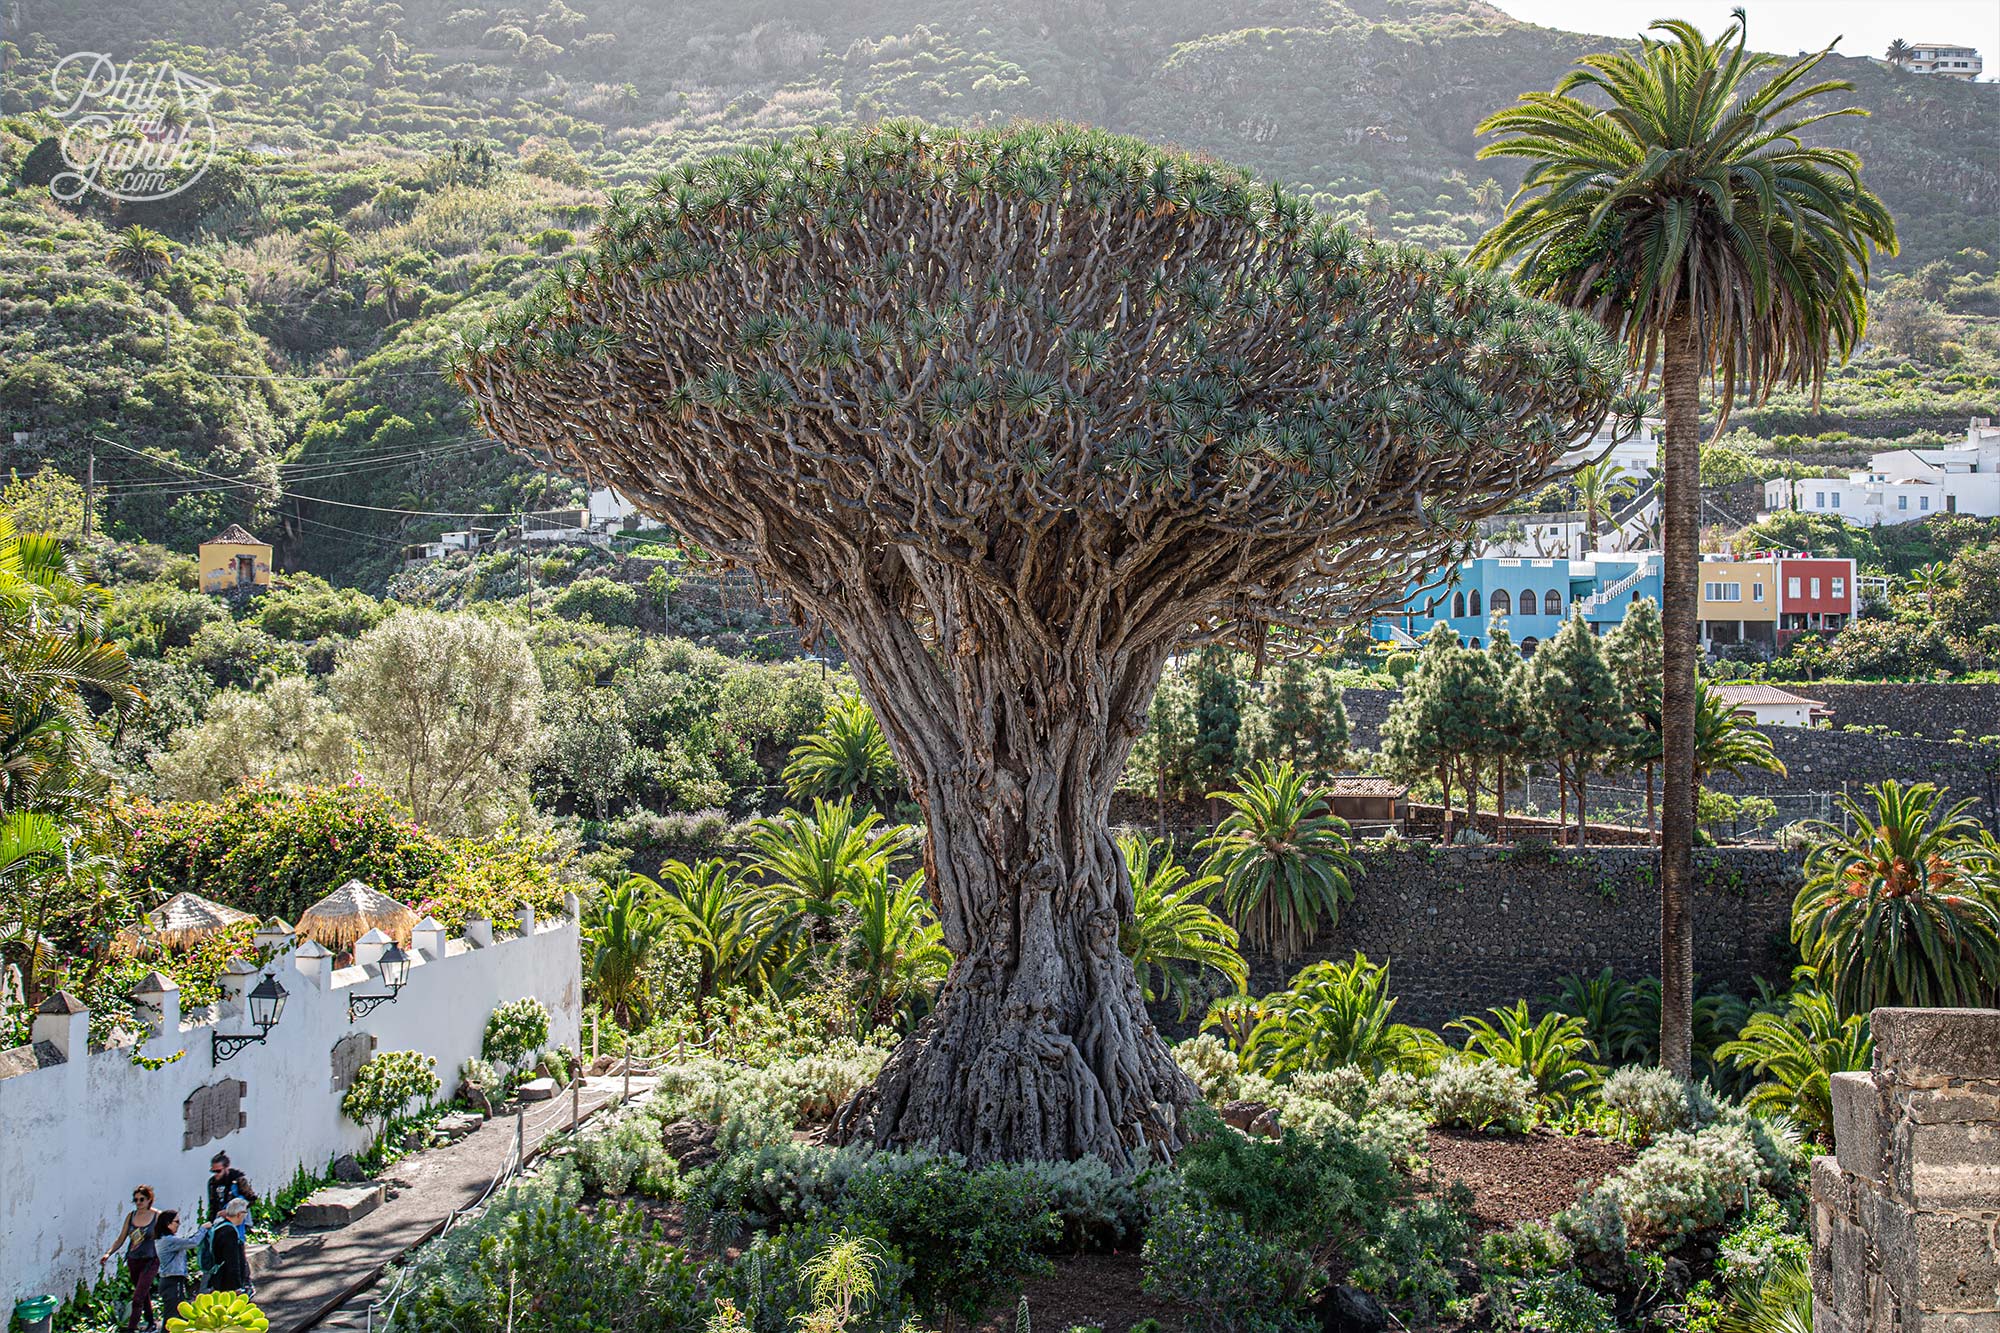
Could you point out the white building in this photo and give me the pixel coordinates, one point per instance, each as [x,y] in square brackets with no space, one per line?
[1636,457]
[1768,706]
[1904,485]
[1943,58]
[611,511]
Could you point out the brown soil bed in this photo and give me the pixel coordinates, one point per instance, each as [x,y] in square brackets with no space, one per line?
[1094,1290]
[1522,1177]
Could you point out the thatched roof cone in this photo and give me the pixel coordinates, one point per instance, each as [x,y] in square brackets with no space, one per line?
[351,911]
[183,920]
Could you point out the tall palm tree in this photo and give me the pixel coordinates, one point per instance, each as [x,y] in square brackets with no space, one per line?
[1592,483]
[1898,53]
[392,286]
[329,243]
[622,930]
[1675,201]
[140,254]
[1281,859]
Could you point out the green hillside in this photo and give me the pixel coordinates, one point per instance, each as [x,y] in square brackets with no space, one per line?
[460,149]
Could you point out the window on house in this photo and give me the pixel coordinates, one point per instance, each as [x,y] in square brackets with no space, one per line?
[1473,607]
[1836,500]
[1819,499]
[1902,502]
[1457,605]
[1791,587]
[1923,502]
[1756,592]
[1840,588]
[1503,605]
[1552,603]
[1815,587]
[1527,601]
[1725,592]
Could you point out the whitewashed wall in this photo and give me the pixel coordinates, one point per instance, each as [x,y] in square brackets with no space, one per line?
[78,1134]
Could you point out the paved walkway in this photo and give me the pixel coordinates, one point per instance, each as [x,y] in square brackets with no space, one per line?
[314,1274]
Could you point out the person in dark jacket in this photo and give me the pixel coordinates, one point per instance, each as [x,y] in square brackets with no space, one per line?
[227,1251]
[225,1182]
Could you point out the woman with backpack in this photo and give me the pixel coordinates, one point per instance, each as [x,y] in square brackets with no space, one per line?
[174,1251]
[141,1259]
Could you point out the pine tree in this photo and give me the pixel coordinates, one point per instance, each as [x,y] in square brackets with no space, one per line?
[1506,727]
[1439,725]
[1218,719]
[1326,740]
[1578,707]
[1635,654]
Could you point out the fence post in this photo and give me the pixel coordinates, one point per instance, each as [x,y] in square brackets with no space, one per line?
[626,1095]
[575,1104]
[520,1139]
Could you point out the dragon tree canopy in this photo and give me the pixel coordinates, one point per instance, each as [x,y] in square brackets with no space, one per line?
[1016,414]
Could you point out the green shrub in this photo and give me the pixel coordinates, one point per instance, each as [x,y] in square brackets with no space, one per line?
[1655,1101]
[1202,1257]
[515,1032]
[1215,1068]
[1554,1303]
[597,598]
[388,1082]
[773,1286]
[1480,1094]
[628,1156]
[1529,1250]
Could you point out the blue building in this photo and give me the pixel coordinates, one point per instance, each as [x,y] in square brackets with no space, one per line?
[1533,596]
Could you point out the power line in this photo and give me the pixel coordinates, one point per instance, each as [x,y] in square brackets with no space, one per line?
[329,472]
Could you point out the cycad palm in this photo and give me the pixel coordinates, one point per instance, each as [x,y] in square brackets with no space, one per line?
[1904,907]
[893,944]
[1172,935]
[848,758]
[735,933]
[1677,204]
[1281,860]
[622,929]
[1795,1054]
[813,858]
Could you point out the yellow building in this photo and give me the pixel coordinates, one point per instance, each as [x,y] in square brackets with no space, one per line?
[1739,603]
[234,561]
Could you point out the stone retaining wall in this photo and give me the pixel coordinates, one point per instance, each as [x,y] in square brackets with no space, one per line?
[1906,1214]
[1929,710]
[1465,928]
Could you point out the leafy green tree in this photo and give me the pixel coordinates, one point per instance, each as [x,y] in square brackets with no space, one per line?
[1173,937]
[1676,202]
[1281,860]
[1903,908]
[1634,654]
[847,759]
[51,502]
[286,735]
[387,1083]
[1578,709]
[589,749]
[1213,753]
[1507,725]
[447,708]
[1441,722]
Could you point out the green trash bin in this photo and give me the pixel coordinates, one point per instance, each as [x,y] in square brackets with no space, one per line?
[36,1313]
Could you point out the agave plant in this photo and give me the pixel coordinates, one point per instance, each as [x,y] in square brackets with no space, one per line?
[1554,1051]
[1281,860]
[1332,1015]
[1172,936]
[1904,909]
[848,759]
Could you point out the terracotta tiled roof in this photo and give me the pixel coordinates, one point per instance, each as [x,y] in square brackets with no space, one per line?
[1367,787]
[235,535]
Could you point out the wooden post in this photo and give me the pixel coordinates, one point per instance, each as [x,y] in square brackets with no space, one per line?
[575,1103]
[520,1138]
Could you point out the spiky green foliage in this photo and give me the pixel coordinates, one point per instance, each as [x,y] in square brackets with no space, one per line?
[1554,1051]
[1727,742]
[1796,1053]
[1173,937]
[892,945]
[813,857]
[847,758]
[1332,1015]
[1903,907]
[1281,860]
[1682,190]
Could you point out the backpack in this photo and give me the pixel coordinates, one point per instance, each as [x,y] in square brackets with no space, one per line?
[204,1260]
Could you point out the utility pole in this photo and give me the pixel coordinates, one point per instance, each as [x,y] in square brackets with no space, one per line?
[89,493]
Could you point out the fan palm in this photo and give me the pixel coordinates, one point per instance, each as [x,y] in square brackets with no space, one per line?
[622,930]
[1172,934]
[1904,908]
[813,858]
[140,254]
[1675,201]
[1280,859]
[1725,741]
[1554,1051]
[1333,1014]
[1796,1052]
[893,944]
[846,759]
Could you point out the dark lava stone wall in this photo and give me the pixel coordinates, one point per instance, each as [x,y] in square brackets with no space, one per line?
[1934,711]
[1466,928]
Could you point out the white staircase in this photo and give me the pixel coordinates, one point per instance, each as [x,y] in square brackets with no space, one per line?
[1604,596]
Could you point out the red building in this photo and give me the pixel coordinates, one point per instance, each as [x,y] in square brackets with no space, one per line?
[1816,595]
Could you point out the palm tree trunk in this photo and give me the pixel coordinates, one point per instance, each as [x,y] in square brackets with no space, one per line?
[1680,379]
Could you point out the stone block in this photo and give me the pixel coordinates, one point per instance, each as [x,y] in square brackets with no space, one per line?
[1963,1102]
[337,1205]
[1951,1321]
[458,1124]
[1920,1045]
[1858,1115]
[1951,1165]
[1831,1189]
[538,1090]
[1958,1263]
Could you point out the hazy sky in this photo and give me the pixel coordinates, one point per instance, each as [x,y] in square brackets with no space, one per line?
[1865,27]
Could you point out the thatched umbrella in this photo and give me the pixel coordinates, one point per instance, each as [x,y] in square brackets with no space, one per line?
[351,911]
[182,920]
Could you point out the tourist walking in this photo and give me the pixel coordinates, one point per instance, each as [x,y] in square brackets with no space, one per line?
[173,1250]
[227,1250]
[141,1258]
[225,1182]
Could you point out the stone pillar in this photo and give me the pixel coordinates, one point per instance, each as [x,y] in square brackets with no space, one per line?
[156,1000]
[368,950]
[313,960]
[427,939]
[478,932]
[62,1022]
[1906,1213]
[526,918]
